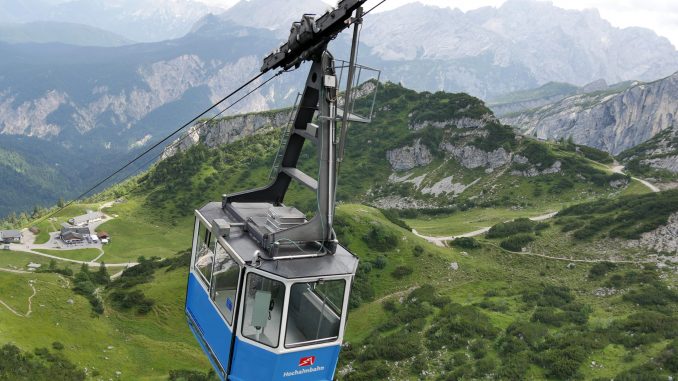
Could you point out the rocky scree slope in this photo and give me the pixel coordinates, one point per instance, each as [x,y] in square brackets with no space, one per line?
[656,158]
[609,120]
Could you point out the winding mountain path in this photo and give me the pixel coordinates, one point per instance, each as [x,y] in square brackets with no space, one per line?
[620,169]
[21,248]
[565,259]
[30,303]
[440,241]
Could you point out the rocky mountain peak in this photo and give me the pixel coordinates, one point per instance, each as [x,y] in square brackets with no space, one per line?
[612,121]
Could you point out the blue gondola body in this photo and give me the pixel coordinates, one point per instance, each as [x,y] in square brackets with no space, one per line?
[309,333]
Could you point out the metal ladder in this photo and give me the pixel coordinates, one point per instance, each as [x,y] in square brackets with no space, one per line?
[284,137]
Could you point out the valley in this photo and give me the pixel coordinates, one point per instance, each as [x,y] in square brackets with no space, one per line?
[77,100]
[588,293]
[512,202]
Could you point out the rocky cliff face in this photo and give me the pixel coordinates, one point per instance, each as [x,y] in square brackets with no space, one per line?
[611,121]
[160,83]
[228,130]
[409,157]
[522,44]
[657,157]
[662,239]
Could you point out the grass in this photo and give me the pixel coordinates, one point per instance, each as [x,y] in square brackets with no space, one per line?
[20,259]
[133,234]
[142,348]
[75,254]
[471,220]
[635,188]
[147,347]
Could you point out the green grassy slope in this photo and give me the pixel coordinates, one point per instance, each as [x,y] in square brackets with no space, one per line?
[490,313]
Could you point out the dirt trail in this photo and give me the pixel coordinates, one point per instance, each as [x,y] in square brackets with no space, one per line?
[564,259]
[440,241]
[15,271]
[620,169]
[30,303]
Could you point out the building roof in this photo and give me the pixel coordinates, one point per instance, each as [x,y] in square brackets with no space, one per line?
[76,229]
[87,217]
[69,236]
[10,234]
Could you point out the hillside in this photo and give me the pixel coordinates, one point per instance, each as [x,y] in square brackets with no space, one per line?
[65,33]
[613,119]
[434,150]
[528,99]
[81,101]
[419,311]
[655,158]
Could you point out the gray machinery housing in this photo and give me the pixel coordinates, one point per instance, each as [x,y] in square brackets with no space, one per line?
[283,231]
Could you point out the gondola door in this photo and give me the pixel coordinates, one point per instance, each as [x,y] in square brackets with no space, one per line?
[212,296]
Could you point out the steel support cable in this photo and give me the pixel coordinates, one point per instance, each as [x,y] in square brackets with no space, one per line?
[371,9]
[83,194]
[206,123]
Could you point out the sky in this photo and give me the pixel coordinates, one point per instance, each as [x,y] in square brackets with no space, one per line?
[658,15]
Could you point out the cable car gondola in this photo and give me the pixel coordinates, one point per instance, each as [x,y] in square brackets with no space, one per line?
[268,289]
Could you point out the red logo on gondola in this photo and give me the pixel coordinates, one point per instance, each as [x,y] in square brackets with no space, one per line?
[307,361]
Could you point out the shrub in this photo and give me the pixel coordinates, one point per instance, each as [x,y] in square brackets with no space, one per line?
[549,296]
[500,306]
[562,355]
[529,332]
[668,358]
[548,315]
[380,263]
[561,186]
[417,251]
[498,136]
[538,154]
[57,345]
[505,229]
[398,346]
[362,288]
[466,243]
[653,295]
[643,328]
[600,269]
[393,217]
[401,272]
[427,294]
[514,366]
[191,375]
[595,154]
[132,300]
[43,365]
[380,238]
[541,226]
[516,242]
[456,325]
[369,371]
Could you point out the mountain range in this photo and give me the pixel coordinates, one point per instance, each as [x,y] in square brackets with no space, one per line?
[613,118]
[60,32]
[137,20]
[541,298]
[81,111]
